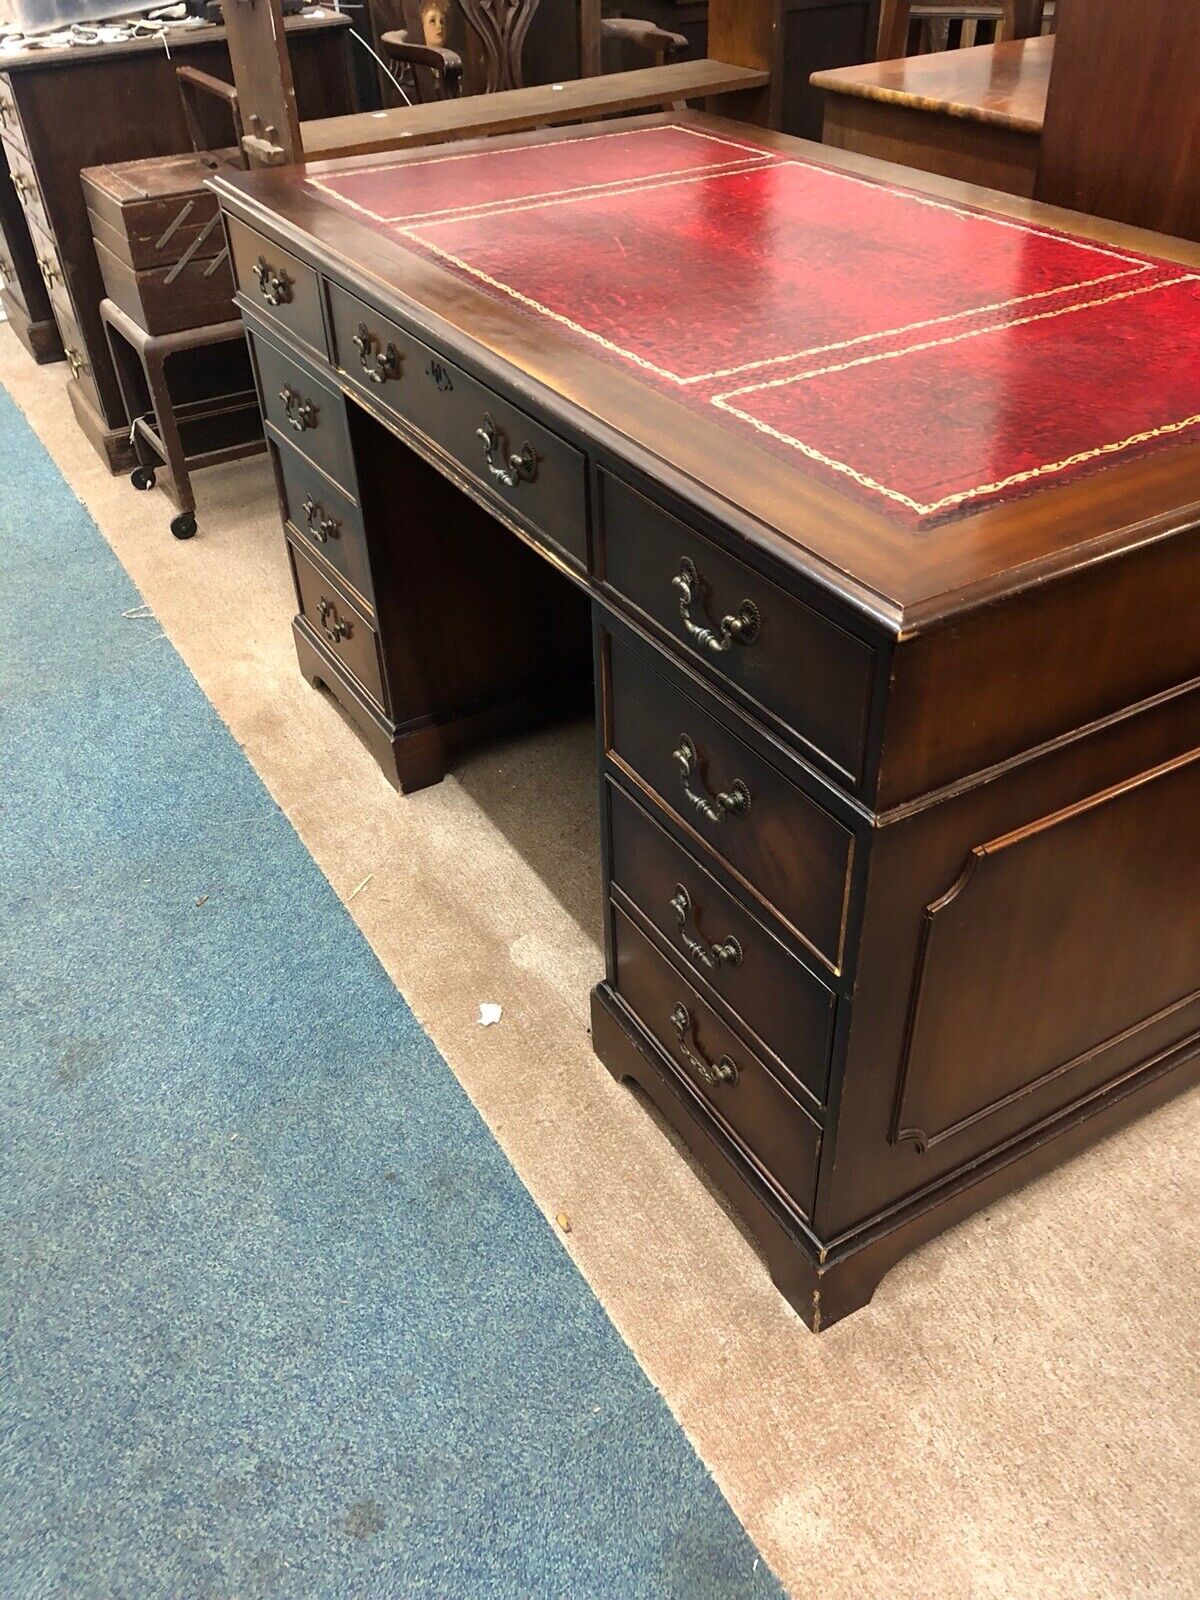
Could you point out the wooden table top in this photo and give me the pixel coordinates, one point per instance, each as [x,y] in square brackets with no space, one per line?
[915,390]
[189,38]
[1003,84]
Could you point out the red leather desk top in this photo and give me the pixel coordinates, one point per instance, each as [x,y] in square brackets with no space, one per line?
[926,357]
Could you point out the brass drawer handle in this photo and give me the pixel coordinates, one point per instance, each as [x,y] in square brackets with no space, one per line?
[48,270]
[76,362]
[274,284]
[321,525]
[23,187]
[743,627]
[723,1070]
[377,362]
[7,110]
[732,802]
[334,628]
[711,956]
[519,469]
[301,413]
[6,269]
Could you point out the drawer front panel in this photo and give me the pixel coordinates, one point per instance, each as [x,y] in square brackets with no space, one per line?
[49,264]
[74,347]
[786,848]
[307,412]
[277,285]
[10,120]
[323,518]
[778,653]
[339,624]
[534,472]
[28,189]
[775,1131]
[9,281]
[787,1008]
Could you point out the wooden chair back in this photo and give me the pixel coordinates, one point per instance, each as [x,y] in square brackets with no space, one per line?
[1122,132]
[1021,19]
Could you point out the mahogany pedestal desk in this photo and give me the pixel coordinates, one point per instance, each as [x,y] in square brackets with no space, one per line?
[884,504]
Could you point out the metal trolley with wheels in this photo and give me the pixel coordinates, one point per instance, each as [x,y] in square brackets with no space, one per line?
[174,435]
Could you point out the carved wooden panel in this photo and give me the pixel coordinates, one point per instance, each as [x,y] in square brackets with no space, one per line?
[501,26]
[1057,944]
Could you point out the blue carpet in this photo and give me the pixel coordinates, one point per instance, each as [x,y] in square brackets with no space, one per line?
[278,1319]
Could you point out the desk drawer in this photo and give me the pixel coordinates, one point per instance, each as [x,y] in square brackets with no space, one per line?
[74,345]
[10,120]
[774,1130]
[787,660]
[783,1005]
[24,181]
[339,624]
[277,285]
[9,281]
[541,477]
[785,848]
[323,518]
[307,412]
[48,262]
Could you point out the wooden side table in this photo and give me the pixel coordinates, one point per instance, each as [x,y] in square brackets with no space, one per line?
[975,114]
[175,435]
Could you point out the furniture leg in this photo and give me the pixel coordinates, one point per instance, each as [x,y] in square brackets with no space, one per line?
[155,359]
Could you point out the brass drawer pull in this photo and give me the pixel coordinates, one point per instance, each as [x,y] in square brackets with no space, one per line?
[274,284]
[48,270]
[321,525]
[733,802]
[301,413]
[7,111]
[743,627]
[334,628]
[711,956]
[377,362]
[23,187]
[723,1070]
[76,362]
[519,469]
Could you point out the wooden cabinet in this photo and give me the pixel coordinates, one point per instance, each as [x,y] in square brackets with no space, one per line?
[128,106]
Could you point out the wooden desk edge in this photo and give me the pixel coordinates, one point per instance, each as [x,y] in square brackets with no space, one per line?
[884,598]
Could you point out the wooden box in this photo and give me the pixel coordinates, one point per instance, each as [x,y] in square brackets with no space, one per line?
[159,240]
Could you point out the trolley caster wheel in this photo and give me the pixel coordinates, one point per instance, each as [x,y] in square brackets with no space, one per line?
[184,525]
[142,477]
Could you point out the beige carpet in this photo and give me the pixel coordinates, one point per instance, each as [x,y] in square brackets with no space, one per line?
[1018,1412]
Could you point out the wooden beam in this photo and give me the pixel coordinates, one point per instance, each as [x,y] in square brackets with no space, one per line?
[262,75]
[515,110]
[749,33]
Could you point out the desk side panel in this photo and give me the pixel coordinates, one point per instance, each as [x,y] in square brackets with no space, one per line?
[1028,947]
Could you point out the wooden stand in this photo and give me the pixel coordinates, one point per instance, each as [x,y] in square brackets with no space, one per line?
[179,437]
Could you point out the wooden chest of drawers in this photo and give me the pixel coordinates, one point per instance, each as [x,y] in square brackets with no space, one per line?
[65,109]
[898,824]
